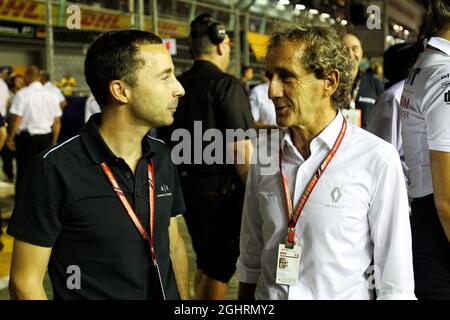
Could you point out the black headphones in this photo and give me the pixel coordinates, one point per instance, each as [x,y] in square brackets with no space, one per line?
[216,31]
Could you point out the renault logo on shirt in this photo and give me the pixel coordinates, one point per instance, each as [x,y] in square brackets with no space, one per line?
[336,195]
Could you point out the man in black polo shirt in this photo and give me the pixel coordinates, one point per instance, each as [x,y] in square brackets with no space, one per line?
[213,192]
[366,88]
[70,217]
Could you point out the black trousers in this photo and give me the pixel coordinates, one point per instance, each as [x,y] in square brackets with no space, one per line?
[431,251]
[7,157]
[27,146]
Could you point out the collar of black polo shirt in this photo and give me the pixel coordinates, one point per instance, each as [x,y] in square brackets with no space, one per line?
[97,147]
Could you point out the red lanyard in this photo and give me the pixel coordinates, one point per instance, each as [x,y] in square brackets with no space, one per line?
[293,217]
[129,209]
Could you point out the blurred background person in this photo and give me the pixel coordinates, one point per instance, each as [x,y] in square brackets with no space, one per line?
[45,79]
[246,77]
[366,88]
[67,84]
[263,109]
[214,192]
[91,107]
[384,120]
[36,121]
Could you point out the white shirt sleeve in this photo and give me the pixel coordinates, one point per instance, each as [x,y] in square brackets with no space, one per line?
[61,97]
[254,104]
[391,233]
[248,266]
[18,105]
[56,106]
[436,112]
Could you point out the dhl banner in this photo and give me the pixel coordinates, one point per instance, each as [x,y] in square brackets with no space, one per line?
[33,12]
[258,42]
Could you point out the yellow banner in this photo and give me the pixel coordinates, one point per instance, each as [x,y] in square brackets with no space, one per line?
[258,42]
[93,20]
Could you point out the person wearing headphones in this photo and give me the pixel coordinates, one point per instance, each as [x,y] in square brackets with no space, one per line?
[213,192]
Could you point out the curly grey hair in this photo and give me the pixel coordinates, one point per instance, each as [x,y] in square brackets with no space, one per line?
[323,53]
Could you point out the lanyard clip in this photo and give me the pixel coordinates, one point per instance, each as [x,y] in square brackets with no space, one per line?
[291,238]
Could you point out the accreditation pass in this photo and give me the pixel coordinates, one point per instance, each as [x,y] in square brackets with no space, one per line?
[288,265]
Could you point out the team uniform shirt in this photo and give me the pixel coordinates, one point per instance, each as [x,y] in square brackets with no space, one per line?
[370,88]
[425,114]
[67,203]
[38,106]
[4,97]
[357,211]
[384,120]
[91,107]
[56,91]
[263,109]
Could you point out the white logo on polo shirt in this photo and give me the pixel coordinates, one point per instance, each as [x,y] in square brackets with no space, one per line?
[165,191]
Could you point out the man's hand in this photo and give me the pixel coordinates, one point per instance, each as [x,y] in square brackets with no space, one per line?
[11,145]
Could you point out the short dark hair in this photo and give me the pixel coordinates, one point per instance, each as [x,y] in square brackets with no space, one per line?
[45,76]
[398,59]
[199,39]
[113,56]
[438,14]
[324,52]
[244,69]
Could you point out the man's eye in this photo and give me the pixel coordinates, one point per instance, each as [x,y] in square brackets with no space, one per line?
[166,77]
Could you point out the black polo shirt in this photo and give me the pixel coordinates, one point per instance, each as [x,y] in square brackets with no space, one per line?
[67,203]
[216,98]
[370,89]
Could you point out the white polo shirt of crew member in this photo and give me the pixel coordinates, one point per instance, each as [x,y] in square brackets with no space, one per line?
[263,109]
[38,106]
[358,210]
[425,114]
[55,90]
[91,107]
[4,97]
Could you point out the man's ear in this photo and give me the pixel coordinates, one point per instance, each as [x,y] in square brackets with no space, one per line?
[331,83]
[119,91]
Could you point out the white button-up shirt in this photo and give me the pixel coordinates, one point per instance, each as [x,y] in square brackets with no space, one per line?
[38,106]
[263,109]
[91,107]
[357,211]
[384,120]
[55,90]
[425,114]
[4,97]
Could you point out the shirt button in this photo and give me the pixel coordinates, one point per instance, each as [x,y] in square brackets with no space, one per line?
[137,194]
[128,175]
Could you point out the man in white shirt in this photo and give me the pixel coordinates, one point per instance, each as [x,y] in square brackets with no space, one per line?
[356,208]
[91,107]
[425,117]
[384,120]
[45,79]
[36,121]
[4,96]
[263,110]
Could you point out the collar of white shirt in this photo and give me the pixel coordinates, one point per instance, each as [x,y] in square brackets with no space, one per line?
[441,44]
[327,137]
[35,84]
